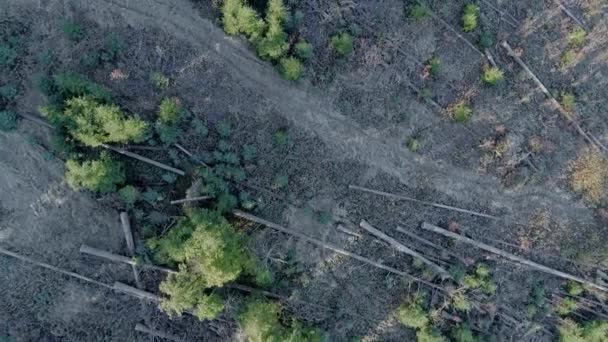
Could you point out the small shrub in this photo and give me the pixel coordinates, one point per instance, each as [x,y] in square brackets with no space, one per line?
[480,279]
[574,288]
[303,50]
[170,111]
[492,75]
[8,121]
[101,175]
[169,177]
[460,302]
[342,43]
[463,333]
[469,17]
[434,66]
[249,152]
[589,175]
[461,112]
[129,195]
[280,138]
[413,145]
[224,128]
[67,85]
[568,101]
[428,334]
[8,92]
[568,58]
[566,306]
[412,314]
[72,30]
[577,37]
[160,81]
[112,47]
[418,12]
[168,134]
[8,56]
[90,59]
[152,196]
[199,127]
[324,217]
[280,181]
[486,40]
[291,68]
[273,44]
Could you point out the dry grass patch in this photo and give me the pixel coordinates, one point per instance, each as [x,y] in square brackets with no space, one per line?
[589,175]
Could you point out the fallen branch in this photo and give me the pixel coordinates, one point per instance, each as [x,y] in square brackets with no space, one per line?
[334,248]
[126,228]
[565,114]
[345,230]
[510,256]
[135,292]
[432,204]
[192,199]
[143,159]
[404,249]
[568,13]
[144,329]
[513,24]
[429,243]
[189,154]
[123,259]
[37,120]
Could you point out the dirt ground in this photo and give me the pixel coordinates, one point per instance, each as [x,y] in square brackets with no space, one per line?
[348,122]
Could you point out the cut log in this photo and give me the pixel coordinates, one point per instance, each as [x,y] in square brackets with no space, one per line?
[144,159]
[126,228]
[191,199]
[429,243]
[432,204]
[565,114]
[510,256]
[144,329]
[121,287]
[404,249]
[334,248]
[345,230]
[119,258]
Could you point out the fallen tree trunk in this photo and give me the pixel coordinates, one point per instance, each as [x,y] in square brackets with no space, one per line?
[192,199]
[565,114]
[432,204]
[429,243]
[119,258]
[404,249]
[510,256]
[144,329]
[144,159]
[334,248]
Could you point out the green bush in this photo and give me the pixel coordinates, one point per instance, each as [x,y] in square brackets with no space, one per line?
[577,37]
[8,92]
[486,41]
[209,253]
[94,124]
[224,128]
[8,121]
[259,321]
[129,195]
[101,175]
[469,17]
[303,49]
[418,12]
[574,288]
[568,101]
[428,334]
[463,333]
[67,85]
[462,112]
[170,111]
[568,58]
[480,279]
[280,138]
[291,68]
[342,43]
[249,152]
[8,56]
[274,43]
[237,18]
[461,302]
[413,145]
[492,75]
[412,314]
[112,47]
[434,66]
[160,81]
[566,306]
[72,30]
[593,331]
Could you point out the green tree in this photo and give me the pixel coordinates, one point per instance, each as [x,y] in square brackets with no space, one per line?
[209,253]
[101,175]
[274,43]
[412,314]
[469,17]
[237,18]
[303,50]
[93,123]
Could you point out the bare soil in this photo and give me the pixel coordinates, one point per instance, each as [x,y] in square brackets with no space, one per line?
[348,122]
